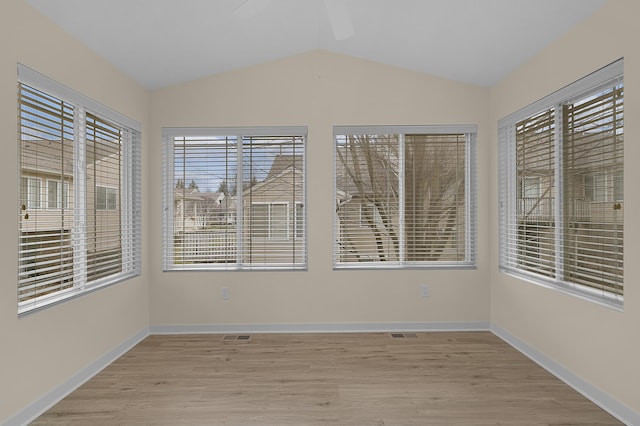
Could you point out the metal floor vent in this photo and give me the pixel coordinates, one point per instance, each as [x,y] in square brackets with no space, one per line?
[404,335]
[237,338]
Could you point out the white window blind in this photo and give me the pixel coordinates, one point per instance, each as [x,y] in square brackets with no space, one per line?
[568,231]
[66,245]
[404,197]
[233,198]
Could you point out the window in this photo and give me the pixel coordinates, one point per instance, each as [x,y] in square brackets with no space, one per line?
[269,220]
[31,191]
[300,232]
[568,231]
[233,198]
[76,146]
[404,196]
[106,198]
[604,187]
[57,195]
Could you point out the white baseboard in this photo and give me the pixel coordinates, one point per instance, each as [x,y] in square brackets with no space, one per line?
[319,328]
[51,398]
[589,391]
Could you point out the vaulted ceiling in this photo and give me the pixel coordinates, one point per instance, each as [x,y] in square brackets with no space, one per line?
[163,42]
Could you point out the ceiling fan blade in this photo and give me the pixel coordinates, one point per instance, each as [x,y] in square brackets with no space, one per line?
[251,8]
[339,19]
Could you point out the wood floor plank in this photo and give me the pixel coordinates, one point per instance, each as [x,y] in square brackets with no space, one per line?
[457,378]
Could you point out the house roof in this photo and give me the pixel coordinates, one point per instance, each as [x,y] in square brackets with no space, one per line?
[282,162]
[164,42]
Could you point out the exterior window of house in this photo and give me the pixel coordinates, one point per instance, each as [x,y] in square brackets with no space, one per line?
[229,198]
[74,145]
[300,223]
[567,233]
[269,220]
[57,195]
[106,198]
[604,187]
[31,190]
[279,221]
[404,197]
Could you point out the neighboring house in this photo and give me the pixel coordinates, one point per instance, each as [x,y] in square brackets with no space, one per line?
[273,219]
[46,190]
[274,213]
[197,211]
[47,214]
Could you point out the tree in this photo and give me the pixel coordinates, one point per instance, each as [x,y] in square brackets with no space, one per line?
[224,187]
[193,186]
[180,184]
[369,164]
[252,182]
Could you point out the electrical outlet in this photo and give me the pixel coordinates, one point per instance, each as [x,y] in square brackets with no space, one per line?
[424,290]
[224,293]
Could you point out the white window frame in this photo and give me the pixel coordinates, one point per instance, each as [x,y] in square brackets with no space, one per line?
[470,131]
[131,192]
[591,84]
[240,264]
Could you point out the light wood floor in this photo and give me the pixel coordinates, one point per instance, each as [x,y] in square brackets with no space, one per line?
[447,378]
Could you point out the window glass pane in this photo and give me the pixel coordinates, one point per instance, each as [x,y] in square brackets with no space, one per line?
[273,180]
[101,198]
[52,194]
[104,227]
[204,194]
[299,220]
[593,153]
[618,186]
[259,222]
[367,190]
[46,146]
[535,169]
[65,195]
[402,200]
[435,215]
[35,192]
[278,221]
[112,199]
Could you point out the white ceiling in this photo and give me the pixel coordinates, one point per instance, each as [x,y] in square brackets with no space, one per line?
[164,42]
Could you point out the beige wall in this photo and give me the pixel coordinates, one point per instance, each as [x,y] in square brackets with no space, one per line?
[599,344]
[318,89]
[42,350]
